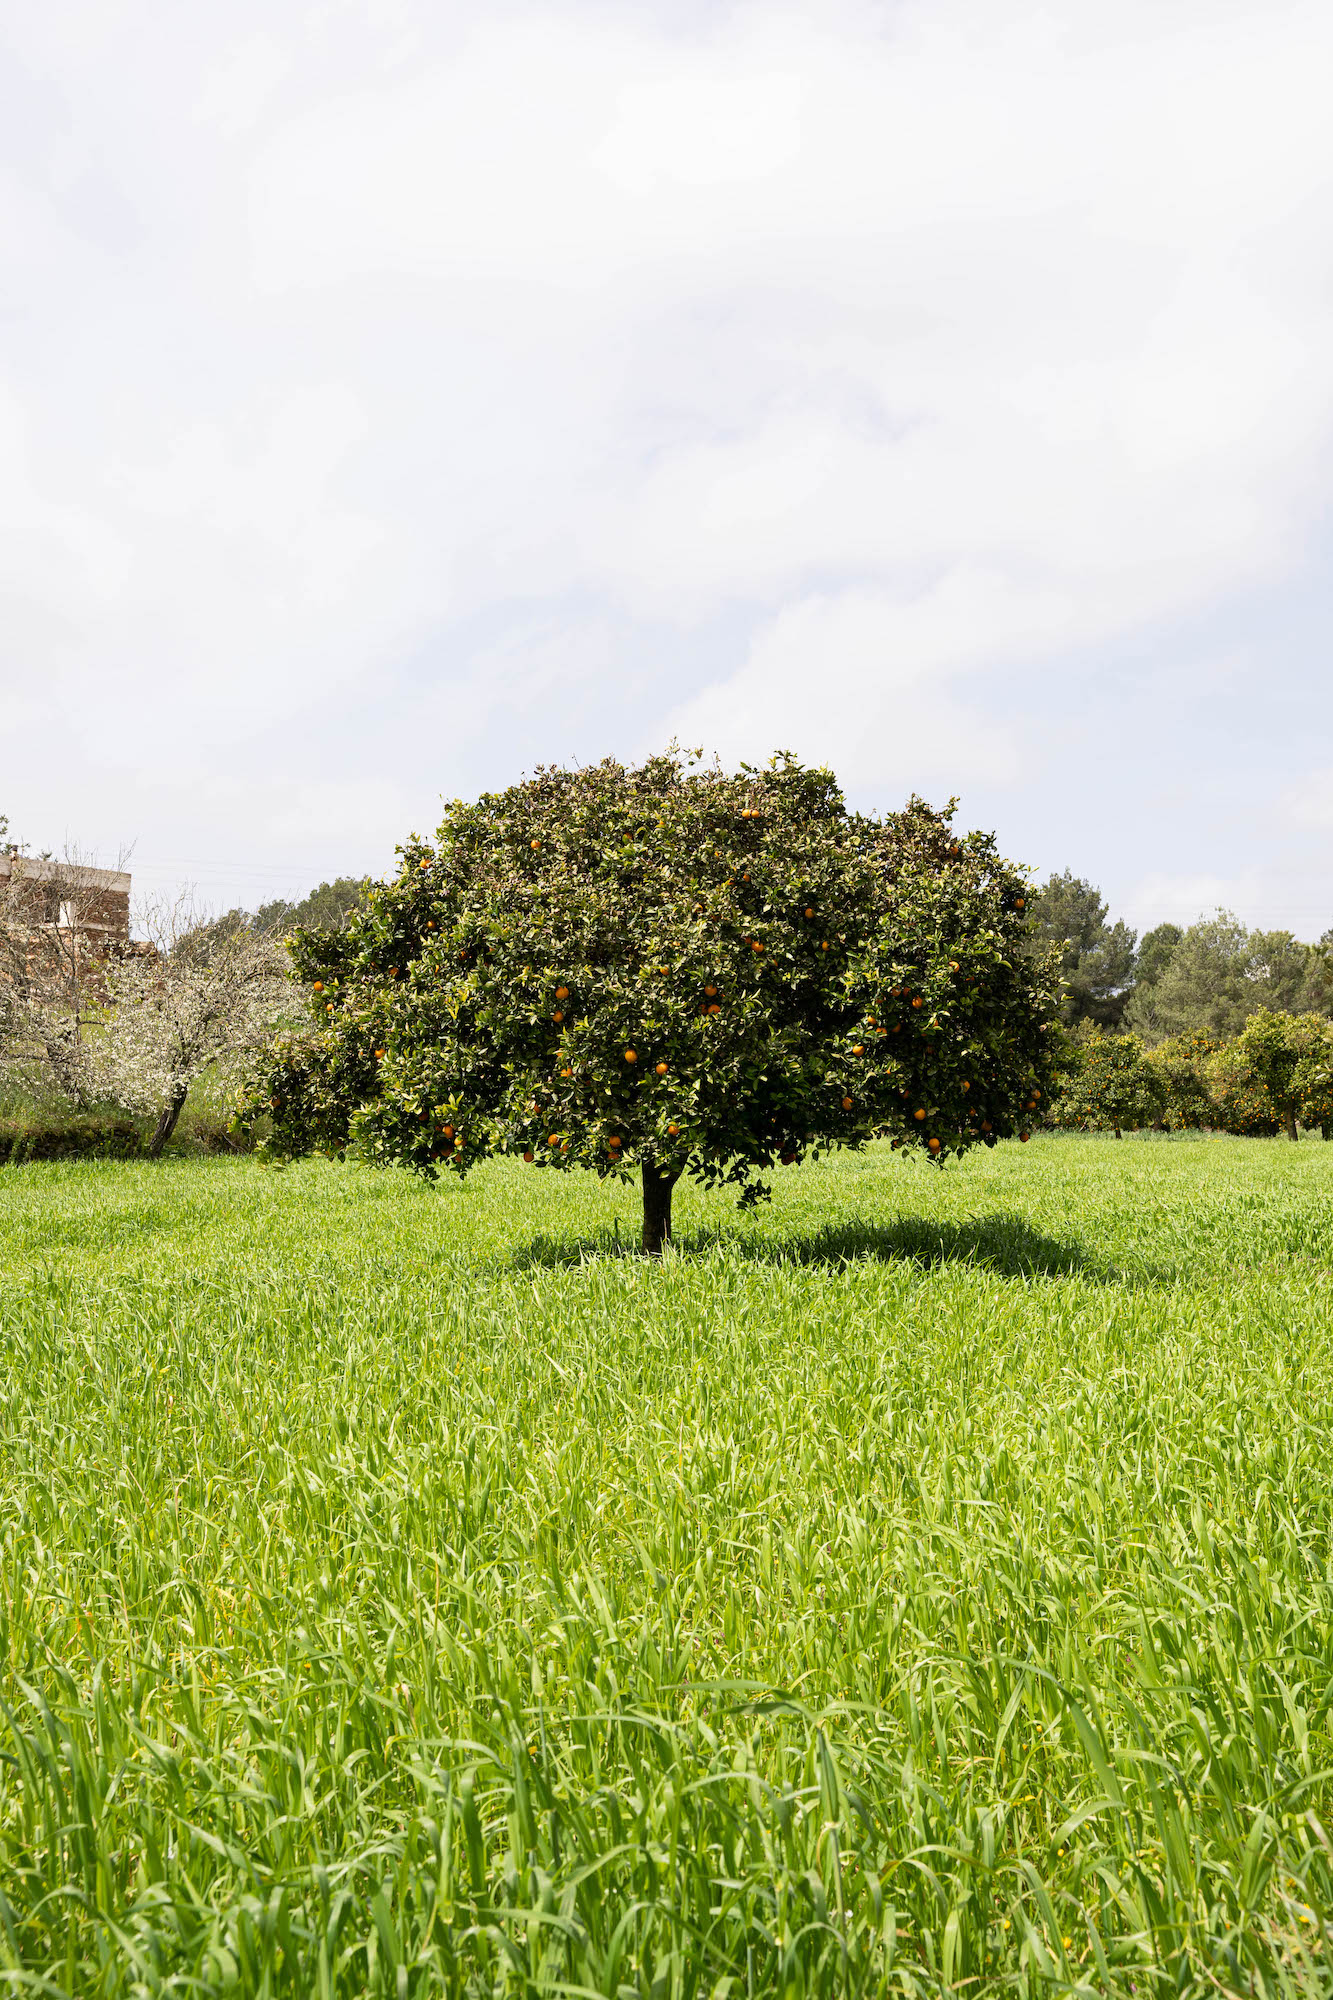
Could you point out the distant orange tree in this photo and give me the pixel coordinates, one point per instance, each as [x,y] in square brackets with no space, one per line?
[669,970]
[1108,1086]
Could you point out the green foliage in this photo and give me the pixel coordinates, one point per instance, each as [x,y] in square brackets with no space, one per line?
[1156,950]
[1274,1045]
[326,908]
[1218,974]
[1181,1067]
[681,972]
[1312,1079]
[1110,1087]
[920,1587]
[1239,1096]
[1096,957]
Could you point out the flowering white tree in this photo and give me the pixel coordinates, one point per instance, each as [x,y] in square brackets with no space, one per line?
[202,993]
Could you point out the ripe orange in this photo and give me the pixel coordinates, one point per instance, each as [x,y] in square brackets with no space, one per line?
[528,1155]
[858,1048]
[1025,1136]
[425,864]
[562,993]
[448,1131]
[710,991]
[631,1055]
[617,1143]
[379,1054]
[328,1006]
[966,1085]
[809,913]
[917,1001]
[661,1069]
[934,1145]
[319,986]
[846,1103]
[534,844]
[554,1139]
[986,1125]
[1036,1093]
[918,1114]
[558,1015]
[715,1008]
[1018,902]
[953,965]
[566,1072]
[673,1131]
[823,944]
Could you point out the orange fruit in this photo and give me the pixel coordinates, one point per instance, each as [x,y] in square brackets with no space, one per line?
[328,1006]
[1036,1094]
[615,1142]
[934,1145]
[425,864]
[528,1155]
[562,993]
[710,991]
[673,1131]
[846,1103]
[558,1015]
[379,1053]
[858,1049]
[953,965]
[967,1086]
[809,913]
[554,1139]
[1018,902]
[319,986]
[1025,1136]
[534,844]
[986,1125]
[823,944]
[917,1001]
[631,1055]
[715,1008]
[566,1072]
[755,945]
[448,1131]
[661,1069]
[918,1114]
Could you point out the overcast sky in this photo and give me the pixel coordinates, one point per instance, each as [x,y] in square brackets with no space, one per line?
[394,396]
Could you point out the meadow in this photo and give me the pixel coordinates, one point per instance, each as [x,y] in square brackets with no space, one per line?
[920,1586]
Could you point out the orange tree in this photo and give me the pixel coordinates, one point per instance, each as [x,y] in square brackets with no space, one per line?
[1274,1045]
[669,970]
[1108,1085]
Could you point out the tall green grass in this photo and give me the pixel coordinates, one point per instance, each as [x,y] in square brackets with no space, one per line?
[921,1587]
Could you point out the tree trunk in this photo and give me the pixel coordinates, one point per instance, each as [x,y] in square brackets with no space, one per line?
[656,1209]
[166,1123]
[1116,1130]
[1326,1131]
[1292,1133]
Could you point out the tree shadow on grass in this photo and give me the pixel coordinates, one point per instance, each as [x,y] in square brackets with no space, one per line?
[1003,1244]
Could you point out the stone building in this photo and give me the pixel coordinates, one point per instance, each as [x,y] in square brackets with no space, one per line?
[93,902]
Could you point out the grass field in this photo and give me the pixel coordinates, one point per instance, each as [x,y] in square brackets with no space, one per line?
[922,1586]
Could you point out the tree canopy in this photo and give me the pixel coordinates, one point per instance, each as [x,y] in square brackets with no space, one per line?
[1218,973]
[670,970]
[1096,957]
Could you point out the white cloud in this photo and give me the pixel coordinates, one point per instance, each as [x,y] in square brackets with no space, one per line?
[908,350]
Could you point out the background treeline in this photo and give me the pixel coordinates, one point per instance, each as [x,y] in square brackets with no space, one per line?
[1213,1027]
[1207,979]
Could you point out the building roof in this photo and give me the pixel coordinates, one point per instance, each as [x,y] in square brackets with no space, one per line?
[113,879]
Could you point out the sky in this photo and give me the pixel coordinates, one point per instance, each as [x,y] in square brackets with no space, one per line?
[397,396]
